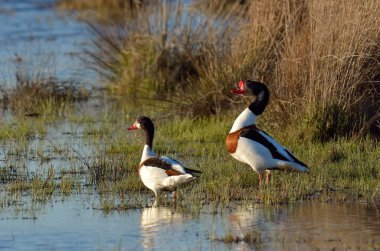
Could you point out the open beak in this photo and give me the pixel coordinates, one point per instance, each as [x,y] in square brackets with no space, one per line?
[240,89]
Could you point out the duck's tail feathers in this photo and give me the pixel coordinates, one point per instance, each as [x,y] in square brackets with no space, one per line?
[291,166]
[193,172]
[178,180]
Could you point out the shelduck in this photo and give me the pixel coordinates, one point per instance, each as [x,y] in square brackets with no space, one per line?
[251,145]
[160,173]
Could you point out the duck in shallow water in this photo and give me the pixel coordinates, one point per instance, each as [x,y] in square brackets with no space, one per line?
[251,145]
[160,173]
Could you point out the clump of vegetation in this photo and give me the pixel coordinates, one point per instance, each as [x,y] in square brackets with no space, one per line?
[41,189]
[248,238]
[21,128]
[35,92]
[160,57]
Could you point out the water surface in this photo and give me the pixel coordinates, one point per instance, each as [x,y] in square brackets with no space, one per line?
[72,224]
[45,40]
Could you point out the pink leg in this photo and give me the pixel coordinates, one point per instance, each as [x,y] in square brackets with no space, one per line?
[268,176]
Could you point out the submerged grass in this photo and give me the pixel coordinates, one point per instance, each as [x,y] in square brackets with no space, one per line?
[42,189]
[22,128]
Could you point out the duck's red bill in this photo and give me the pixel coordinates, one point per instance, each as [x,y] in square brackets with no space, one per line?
[241,89]
[132,127]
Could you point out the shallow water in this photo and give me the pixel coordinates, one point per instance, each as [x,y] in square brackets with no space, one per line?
[72,224]
[47,41]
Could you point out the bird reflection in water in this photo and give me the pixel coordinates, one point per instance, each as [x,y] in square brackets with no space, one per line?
[154,222]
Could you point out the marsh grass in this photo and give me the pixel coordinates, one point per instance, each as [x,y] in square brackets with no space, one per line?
[33,170]
[22,129]
[116,202]
[343,170]
[41,190]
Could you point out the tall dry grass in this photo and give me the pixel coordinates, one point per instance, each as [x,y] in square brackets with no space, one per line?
[319,58]
[156,53]
[162,54]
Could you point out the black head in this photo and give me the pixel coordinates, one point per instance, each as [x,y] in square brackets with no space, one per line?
[143,123]
[257,89]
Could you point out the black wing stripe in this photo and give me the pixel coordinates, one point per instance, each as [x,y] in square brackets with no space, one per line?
[187,170]
[160,163]
[255,135]
[157,162]
[192,171]
[296,160]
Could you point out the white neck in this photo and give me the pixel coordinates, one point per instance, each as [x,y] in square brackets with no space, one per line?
[147,153]
[246,118]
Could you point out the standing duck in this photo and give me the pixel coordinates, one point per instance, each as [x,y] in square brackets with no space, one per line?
[159,173]
[251,145]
